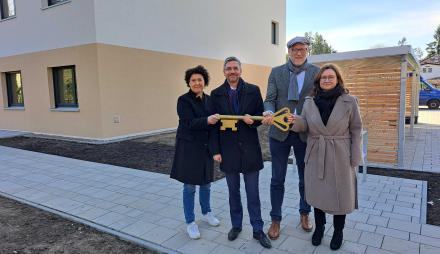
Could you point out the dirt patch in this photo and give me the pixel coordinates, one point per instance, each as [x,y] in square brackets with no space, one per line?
[24,229]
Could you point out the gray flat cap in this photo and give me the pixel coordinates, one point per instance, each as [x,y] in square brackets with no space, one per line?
[298,39]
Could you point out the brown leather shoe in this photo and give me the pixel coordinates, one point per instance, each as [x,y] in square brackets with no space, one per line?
[305,223]
[274,230]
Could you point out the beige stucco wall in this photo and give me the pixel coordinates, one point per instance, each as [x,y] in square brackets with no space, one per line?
[37,115]
[141,87]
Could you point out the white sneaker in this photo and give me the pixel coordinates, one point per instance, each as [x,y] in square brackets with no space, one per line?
[211,219]
[193,230]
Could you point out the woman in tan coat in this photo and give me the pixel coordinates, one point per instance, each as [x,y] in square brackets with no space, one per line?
[333,125]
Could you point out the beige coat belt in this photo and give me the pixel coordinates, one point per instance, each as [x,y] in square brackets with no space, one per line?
[322,150]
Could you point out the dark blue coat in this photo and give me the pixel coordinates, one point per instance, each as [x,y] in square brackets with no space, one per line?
[240,150]
[193,163]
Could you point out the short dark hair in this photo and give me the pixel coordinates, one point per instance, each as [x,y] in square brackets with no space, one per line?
[231,59]
[199,69]
[325,67]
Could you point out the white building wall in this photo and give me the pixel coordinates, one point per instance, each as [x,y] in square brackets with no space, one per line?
[204,28]
[429,75]
[37,29]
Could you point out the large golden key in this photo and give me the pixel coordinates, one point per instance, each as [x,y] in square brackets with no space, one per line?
[279,120]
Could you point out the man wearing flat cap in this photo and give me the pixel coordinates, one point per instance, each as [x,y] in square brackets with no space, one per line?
[288,86]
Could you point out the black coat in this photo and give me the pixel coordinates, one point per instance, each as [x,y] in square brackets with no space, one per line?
[193,162]
[240,150]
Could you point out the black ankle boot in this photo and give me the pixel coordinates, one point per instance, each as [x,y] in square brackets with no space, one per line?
[317,235]
[337,238]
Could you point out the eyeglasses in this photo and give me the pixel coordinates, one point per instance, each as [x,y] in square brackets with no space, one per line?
[302,51]
[329,78]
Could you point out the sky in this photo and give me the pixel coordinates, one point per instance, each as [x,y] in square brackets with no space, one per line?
[355,25]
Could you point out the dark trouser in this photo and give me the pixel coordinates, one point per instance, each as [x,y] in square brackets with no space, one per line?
[252,196]
[338,220]
[280,154]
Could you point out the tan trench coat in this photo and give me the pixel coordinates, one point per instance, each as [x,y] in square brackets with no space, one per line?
[332,156]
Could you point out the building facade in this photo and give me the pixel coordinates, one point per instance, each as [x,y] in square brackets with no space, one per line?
[106,69]
[431,69]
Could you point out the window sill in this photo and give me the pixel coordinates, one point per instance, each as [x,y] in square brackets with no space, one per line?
[8,18]
[14,108]
[64,109]
[54,5]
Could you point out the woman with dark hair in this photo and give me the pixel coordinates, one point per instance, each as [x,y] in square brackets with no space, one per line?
[332,121]
[193,163]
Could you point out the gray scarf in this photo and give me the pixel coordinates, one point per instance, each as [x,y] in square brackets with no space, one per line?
[293,93]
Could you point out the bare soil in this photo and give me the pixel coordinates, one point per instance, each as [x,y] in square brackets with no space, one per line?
[29,230]
[25,229]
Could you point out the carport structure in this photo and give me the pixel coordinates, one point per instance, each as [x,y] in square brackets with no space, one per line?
[386,81]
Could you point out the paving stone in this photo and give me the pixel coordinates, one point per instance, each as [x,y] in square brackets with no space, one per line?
[397,216]
[109,218]
[325,249]
[365,227]
[373,250]
[223,240]
[296,245]
[400,246]
[358,217]
[371,211]
[138,228]
[371,239]
[221,249]
[384,207]
[378,220]
[404,226]
[426,249]
[177,241]
[93,213]
[431,231]
[122,223]
[354,247]
[393,233]
[200,246]
[425,240]
[159,234]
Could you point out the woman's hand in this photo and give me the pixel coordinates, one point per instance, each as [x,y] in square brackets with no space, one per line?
[213,119]
[291,118]
[217,158]
[247,119]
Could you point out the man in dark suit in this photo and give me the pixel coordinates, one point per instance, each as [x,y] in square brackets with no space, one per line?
[239,151]
[288,86]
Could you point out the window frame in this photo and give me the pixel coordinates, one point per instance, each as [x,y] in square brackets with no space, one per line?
[2,18]
[9,91]
[274,32]
[56,88]
[45,4]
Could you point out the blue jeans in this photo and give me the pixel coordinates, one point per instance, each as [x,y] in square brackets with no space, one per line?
[280,154]
[252,196]
[189,191]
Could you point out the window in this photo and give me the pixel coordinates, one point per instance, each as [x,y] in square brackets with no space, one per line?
[7,9]
[64,84]
[424,70]
[429,70]
[14,89]
[46,4]
[274,33]
[54,2]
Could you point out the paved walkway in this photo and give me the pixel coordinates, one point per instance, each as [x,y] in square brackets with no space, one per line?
[422,151]
[146,208]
